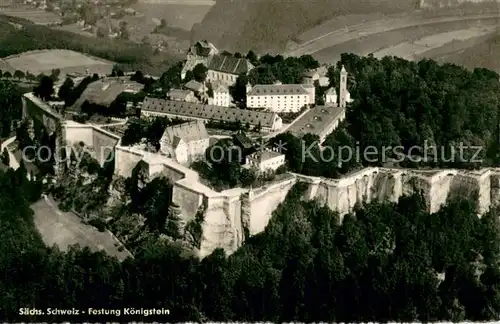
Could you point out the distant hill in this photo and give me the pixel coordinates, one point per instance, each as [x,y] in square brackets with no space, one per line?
[267,25]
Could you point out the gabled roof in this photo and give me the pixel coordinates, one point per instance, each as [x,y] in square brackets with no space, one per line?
[178,94]
[187,132]
[194,85]
[331,91]
[241,139]
[229,64]
[197,110]
[262,156]
[277,89]
[220,88]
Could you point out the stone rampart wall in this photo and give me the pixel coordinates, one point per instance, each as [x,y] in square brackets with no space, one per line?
[100,140]
[232,214]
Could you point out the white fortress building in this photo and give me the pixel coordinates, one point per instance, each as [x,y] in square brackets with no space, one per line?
[222,97]
[281,97]
[186,142]
[268,160]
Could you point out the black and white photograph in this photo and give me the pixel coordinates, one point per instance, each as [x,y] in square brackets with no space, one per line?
[277,161]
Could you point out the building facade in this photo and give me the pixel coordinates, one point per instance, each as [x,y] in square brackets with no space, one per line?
[221,96]
[281,97]
[181,95]
[264,161]
[186,142]
[330,97]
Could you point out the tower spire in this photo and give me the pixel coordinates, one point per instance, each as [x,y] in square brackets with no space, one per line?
[343,88]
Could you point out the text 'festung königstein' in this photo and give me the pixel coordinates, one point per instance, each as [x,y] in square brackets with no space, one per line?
[129,311]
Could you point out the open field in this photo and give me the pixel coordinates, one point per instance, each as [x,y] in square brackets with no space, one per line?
[485,54]
[411,50]
[39,17]
[372,28]
[182,16]
[373,43]
[44,61]
[453,47]
[66,229]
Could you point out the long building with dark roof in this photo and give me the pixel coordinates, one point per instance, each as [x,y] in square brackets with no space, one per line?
[269,121]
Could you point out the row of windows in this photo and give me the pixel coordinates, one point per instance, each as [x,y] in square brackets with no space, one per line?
[279,97]
[221,76]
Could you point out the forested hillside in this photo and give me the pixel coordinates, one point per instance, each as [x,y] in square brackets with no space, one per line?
[267,25]
[385,262]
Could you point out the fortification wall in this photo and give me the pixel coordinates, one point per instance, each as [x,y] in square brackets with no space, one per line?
[125,161]
[231,215]
[263,201]
[102,142]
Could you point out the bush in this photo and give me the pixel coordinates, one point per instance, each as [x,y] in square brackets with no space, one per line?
[99,224]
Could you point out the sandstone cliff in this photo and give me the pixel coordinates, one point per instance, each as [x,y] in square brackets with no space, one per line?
[228,217]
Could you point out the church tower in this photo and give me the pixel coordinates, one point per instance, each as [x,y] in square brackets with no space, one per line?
[343,88]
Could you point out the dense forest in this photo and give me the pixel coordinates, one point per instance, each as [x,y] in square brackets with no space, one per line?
[385,262]
[435,109]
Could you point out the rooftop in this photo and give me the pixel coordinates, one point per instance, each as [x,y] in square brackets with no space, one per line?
[194,85]
[217,87]
[178,94]
[277,89]
[104,92]
[229,64]
[197,110]
[315,121]
[331,91]
[187,132]
[266,155]
[242,139]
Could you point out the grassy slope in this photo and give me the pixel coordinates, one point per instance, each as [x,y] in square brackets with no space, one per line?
[267,25]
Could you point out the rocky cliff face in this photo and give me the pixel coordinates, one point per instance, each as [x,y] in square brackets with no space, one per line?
[226,224]
[225,219]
